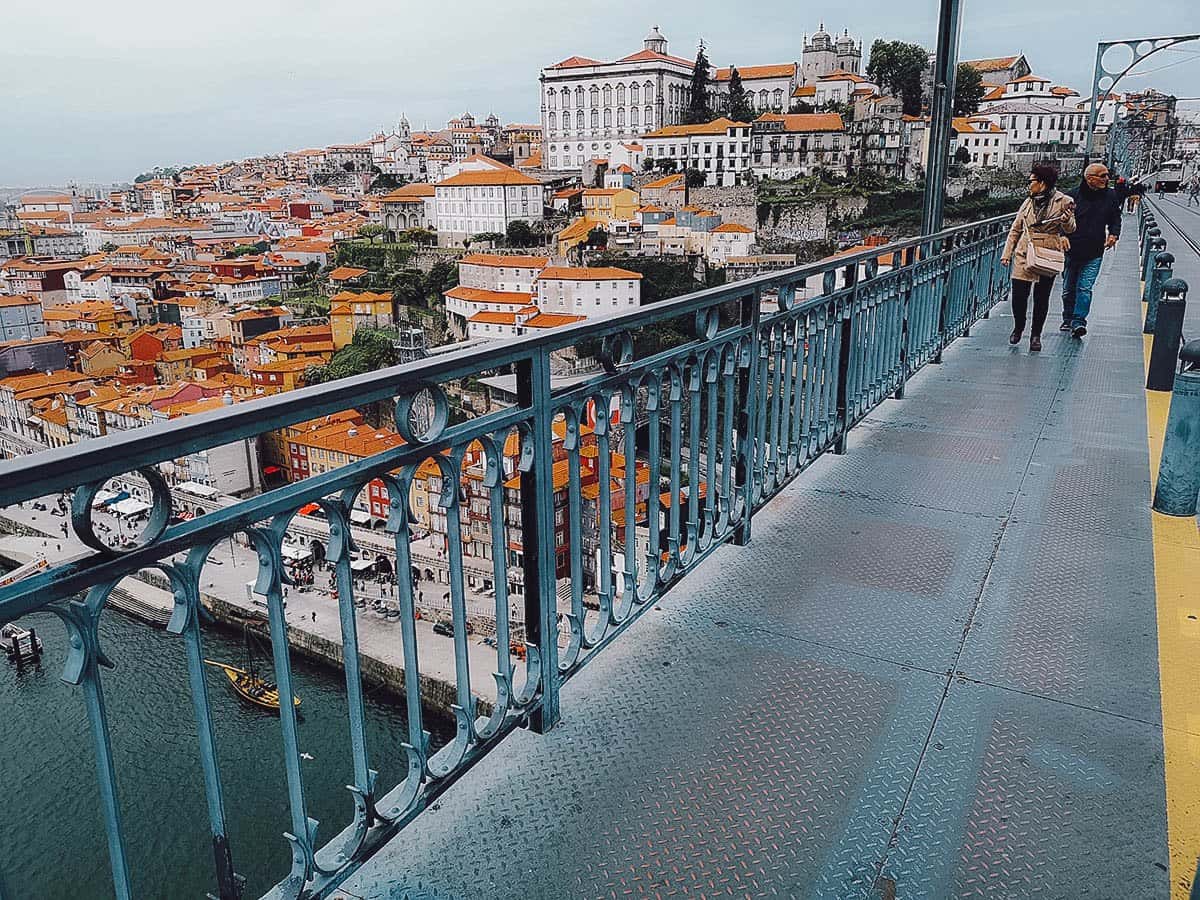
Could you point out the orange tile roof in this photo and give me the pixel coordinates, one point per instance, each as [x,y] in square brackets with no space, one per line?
[653,55]
[842,75]
[805,121]
[503,176]
[732,228]
[516,261]
[716,126]
[780,70]
[575,62]
[1029,79]
[416,191]
[360,297]
[552,320]
[587,273]
[345,273]
[19,300]
[994,64]
[480,295]
[492,317]
[665,182]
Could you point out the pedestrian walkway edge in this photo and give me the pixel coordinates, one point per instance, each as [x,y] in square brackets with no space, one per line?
[1176,580]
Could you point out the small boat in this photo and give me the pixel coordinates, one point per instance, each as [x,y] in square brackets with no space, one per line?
[247,683]
[20,643]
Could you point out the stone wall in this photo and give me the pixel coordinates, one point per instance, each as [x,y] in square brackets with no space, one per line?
[813,221]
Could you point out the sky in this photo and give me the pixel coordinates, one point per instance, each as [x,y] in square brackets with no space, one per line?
[98,92]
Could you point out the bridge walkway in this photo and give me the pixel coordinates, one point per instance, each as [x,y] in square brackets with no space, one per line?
[934,672]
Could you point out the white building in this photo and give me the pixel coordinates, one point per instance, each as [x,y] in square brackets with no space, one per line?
[720,148]
[587,291]
[1029,89]
[589,106]
[1038,123]
[485,199]
[768,88]
[235,291]
[502,296]
[982,138]
[784,146]
[840,87]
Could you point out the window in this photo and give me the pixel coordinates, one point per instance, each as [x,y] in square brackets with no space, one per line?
[607,117]
[633,117]
[620,95]
[579,120]
[648,88]
[578,96]
[634,94]
[649,117]
[595,118]
[607,94]
[620,117]
[594,96]
[550,120]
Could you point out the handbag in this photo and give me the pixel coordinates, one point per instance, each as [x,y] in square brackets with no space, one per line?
[1042,261]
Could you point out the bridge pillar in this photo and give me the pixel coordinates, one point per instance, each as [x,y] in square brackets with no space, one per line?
[1154,245]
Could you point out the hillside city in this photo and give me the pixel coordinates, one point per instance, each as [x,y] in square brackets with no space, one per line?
[196,287]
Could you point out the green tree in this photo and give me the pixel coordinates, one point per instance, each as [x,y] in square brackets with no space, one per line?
[738,105]
[417,236]
[598,237]
[409,288]
[243,250]
[519,234]
[647,164]
[695,178]
[968,90]
[370,231]
[665,165]
[899,67]
[698,110]
[108,247]
[443,275]
[962,155]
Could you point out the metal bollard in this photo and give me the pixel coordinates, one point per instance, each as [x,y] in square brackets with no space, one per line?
[1151,233]
[1179,471]
[1168,332]
[1156,245]
[1163,269]
[1147,223]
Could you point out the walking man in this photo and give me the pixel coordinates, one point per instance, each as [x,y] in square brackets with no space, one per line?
[1097,227]
[1194,191]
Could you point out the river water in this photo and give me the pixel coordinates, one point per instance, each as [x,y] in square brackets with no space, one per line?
[52,843]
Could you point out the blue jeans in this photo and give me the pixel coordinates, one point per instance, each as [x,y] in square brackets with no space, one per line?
[1078,280]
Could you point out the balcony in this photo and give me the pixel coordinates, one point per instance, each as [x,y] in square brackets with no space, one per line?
[833,640]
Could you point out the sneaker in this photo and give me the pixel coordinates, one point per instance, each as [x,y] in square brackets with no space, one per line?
[1015,337]
[1078,331]
[1065,326]
[1035,343]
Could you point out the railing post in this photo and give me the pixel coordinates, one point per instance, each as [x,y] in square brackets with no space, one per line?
[1179,470]
[537,536]
[909,262]
[750,312]
[1161,274]
[843,366]
[943,298]
[1168,332]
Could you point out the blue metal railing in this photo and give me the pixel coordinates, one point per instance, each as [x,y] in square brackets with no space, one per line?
[761,384]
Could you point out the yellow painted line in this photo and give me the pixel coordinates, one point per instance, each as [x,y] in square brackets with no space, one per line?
[1177,593]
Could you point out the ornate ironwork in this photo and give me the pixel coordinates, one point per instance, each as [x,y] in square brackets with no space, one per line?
[626,481]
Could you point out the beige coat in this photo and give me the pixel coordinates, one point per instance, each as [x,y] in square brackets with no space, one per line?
[1058,222]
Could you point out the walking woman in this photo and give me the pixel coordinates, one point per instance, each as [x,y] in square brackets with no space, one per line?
[1045,218]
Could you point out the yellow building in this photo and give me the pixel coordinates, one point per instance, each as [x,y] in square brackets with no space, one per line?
[604,205]
[100,358]
[350,310]
[573,235]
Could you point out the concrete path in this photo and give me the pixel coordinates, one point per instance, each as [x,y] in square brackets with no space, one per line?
[934,672]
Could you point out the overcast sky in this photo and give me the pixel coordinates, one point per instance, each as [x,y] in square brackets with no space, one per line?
[100,91]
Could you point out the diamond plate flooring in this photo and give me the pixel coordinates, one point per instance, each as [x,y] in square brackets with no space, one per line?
[933,673]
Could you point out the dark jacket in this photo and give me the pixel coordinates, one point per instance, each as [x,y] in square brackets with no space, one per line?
[1097,215]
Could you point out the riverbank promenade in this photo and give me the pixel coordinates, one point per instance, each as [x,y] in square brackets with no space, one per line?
[957,661]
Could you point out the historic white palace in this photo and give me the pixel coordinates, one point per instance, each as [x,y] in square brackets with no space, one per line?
[589,106]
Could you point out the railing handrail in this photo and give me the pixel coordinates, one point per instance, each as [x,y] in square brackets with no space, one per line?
[96,459]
